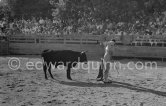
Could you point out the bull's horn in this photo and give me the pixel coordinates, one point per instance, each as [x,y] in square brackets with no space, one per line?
[85,51]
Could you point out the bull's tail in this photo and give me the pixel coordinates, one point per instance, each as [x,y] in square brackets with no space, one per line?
[45,51]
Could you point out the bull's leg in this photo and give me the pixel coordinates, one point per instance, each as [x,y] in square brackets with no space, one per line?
[45,70]
[68,73]
[49,70]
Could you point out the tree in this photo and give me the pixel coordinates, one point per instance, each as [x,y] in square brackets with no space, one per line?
[4,9]
[28,8]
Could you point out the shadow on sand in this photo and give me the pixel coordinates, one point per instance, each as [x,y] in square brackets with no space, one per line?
[114,84]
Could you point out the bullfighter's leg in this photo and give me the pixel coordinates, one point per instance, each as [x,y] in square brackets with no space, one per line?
[68,73]
[106,72]
[100,74]
[45,70]
[49,70]
[107,67]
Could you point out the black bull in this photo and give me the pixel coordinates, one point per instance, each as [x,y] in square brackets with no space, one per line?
[67,58]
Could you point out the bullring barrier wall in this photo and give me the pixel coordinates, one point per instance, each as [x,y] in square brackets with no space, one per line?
[34,45]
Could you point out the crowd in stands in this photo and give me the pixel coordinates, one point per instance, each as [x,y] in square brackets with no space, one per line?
[146,26]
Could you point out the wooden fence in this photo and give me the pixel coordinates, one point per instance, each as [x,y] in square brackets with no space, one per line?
[34,45]
[4,45]
[4,48]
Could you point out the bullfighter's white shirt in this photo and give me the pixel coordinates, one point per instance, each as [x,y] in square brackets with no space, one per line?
[109,49]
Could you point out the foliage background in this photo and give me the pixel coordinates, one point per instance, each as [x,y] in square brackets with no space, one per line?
[65,10]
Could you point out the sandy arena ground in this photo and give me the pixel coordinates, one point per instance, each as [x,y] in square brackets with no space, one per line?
[23,87]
